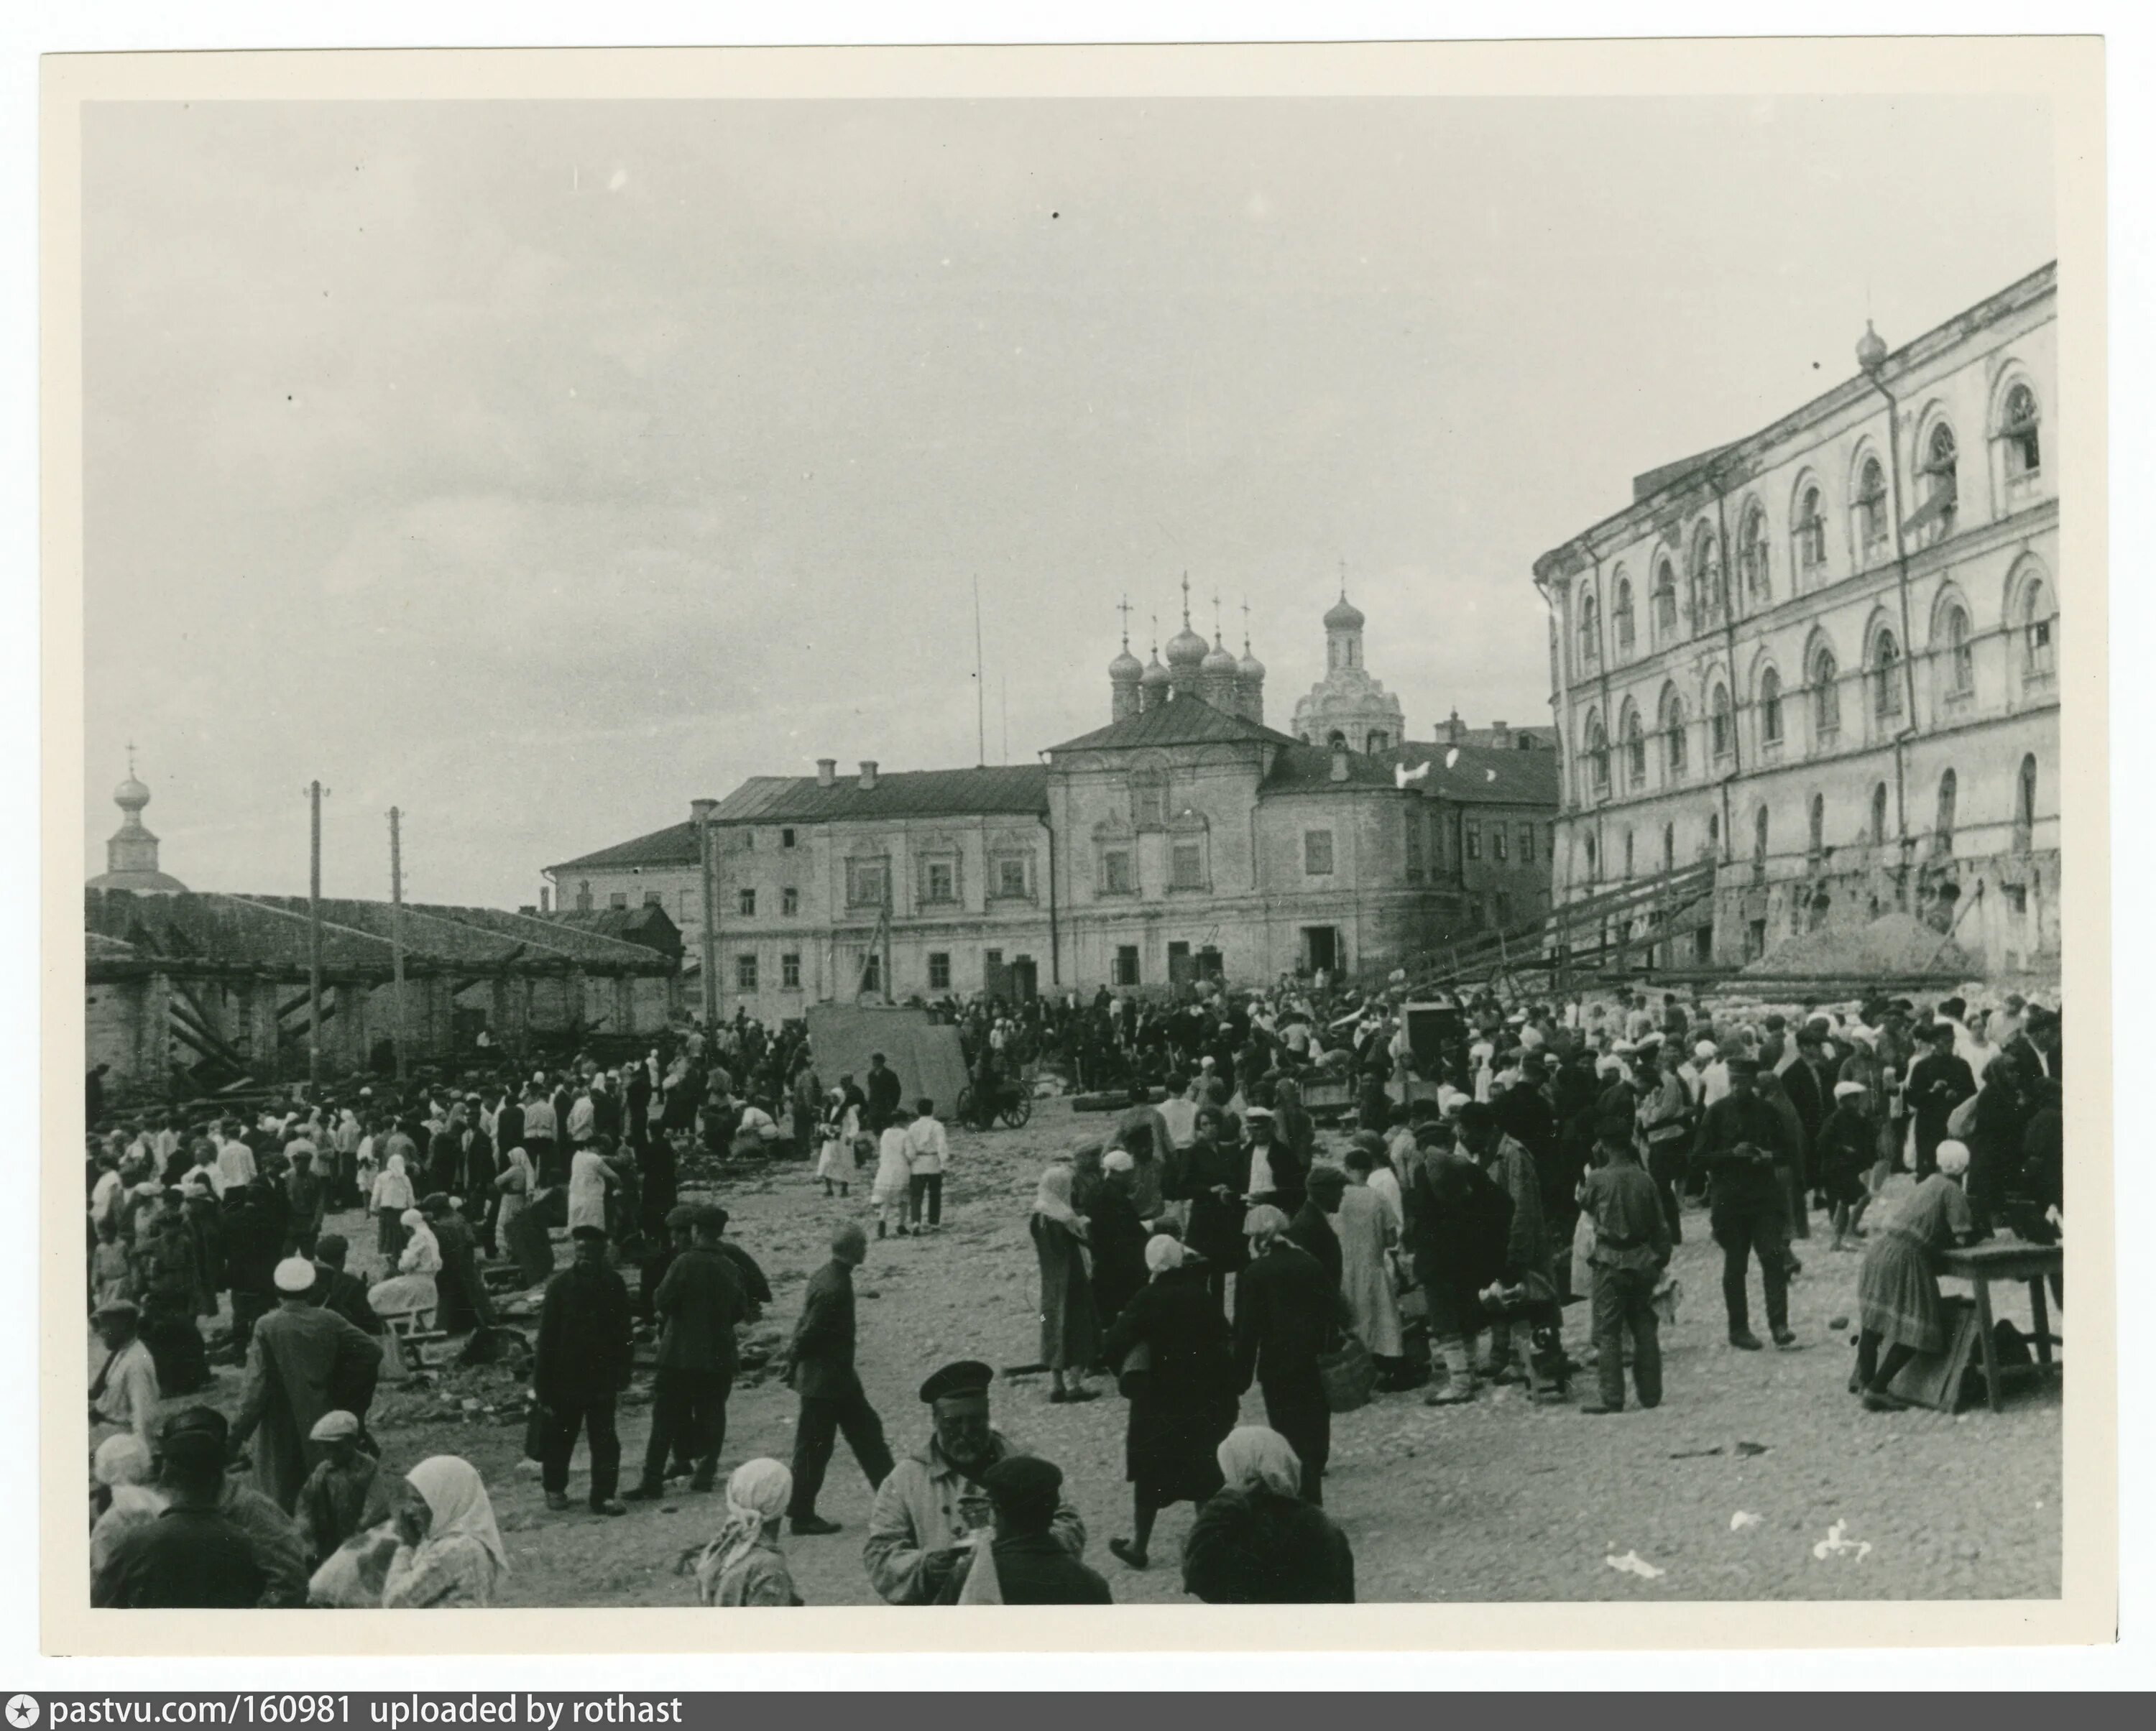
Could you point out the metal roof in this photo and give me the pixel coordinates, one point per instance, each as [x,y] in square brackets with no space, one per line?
[1183,721]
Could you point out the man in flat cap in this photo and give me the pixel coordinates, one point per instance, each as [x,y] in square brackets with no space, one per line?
[697,1306]
[193,1556]
[1032,1564]
[580,1366]
[123,1394]
[933,1501]
[302,1362]
[346,1494]
[1744,1147]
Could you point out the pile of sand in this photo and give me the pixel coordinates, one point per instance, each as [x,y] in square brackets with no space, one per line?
[1893,946]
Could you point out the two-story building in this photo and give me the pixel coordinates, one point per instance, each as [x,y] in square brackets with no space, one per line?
[1826,656]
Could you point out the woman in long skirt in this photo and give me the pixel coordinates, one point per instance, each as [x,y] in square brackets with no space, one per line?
[1364,1227]
[840,1124]
[391,1197]
[1897,1290]
[1070,1331]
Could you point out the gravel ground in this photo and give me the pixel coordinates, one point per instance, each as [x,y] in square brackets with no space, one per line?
[1501,1500]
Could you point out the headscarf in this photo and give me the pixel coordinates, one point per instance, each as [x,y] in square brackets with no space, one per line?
[122,1459]
[1264,1223]
[1252,1458]
[457,1496]
[1052,1199]
[520,1161]
[1164,1253]
[423,1255]
[1953,1158]
[757,1494]
[398,1192]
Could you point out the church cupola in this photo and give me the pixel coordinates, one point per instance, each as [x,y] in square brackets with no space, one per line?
[1186,654]
[131,856]
[1125,676]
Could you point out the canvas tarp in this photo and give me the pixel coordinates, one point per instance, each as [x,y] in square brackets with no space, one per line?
[925,1053]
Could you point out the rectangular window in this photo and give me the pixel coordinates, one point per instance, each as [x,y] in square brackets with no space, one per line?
[654,898]
[1526,844]
[745,973]
[747,841]
[1414,845]
[1127,965]
[1116,876]
[939,881]
[1499,848]
[1011,879]
[790,971]
[789,901]
[619,899]
[786,838]
[1188,866]
[939,971]
[1318,852]
[1474,832]
[865,883]
[747,899]
[584,895]
[872,972]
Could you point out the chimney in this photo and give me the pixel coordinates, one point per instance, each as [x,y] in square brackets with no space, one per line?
[1452,730]
[868,774]
[1339,763]
[1501,735]
[827,771]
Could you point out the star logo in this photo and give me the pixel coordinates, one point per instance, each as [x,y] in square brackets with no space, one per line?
[23,1711]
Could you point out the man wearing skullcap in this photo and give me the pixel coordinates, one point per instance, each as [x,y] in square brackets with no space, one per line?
[932,1504]
[1743,1145]
[302,1362]
[1288,1311]
[580,1364]
[1032,1565]
[346,1493]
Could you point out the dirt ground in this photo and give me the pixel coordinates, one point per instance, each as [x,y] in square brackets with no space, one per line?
[1500,1500]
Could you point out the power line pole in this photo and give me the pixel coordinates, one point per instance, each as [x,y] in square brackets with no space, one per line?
[980,679]
[702,810]
[315,937]
[396,932]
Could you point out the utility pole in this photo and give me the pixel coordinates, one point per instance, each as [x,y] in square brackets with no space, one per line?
[397,933]
[701,809]
[315,938]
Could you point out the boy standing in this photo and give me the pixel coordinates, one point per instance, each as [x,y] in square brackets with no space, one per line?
[1631,1249]
[926,1149]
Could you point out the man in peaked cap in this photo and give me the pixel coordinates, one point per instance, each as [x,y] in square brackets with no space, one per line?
[932,1502]
[697,1305]
[1032,1565]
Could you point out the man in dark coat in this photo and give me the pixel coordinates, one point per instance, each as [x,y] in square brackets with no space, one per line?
[1288,1311]
[1459,1228]
[193,1556]
[638,1100]
[579,1368]
[254,1239]
[335,1290]
[1313,1225]
[1033,1566]
[1938,1081]
[819,1366]
[884,1092]
[1745,1151]
[698,1304]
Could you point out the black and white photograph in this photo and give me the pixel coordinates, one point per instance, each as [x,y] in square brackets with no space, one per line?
[1131,850]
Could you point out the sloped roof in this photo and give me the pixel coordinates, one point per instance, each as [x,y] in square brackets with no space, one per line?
[647,923]
[1482,775]
[676,845]
[1183,721]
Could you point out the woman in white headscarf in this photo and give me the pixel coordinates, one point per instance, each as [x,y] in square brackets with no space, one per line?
[390,1199]
[413,1288]
[743,1564]
[519,1232]
[1258,1542]
[122,1465]
[835,1131]
[448,1550]
[1897,1290]
[1070,1326]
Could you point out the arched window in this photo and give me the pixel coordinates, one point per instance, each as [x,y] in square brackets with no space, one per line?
[1942,489]
[1960,654]
[1666,602]
[1815,831]
[1714,834]
[1597,755]
[1628,852]
[1808,534]
[1770,708]
[1759,845]
[1720,734]
[2019,429]
[2024,806]
[1669,847]
[1379,740]
[1885,678]
[1636,749]
[1620,618]
[1590,632]
[1149,798]
[1878,814]
[1752,554]
[1673,722]
[1871,507]
[2038,619]
[1942,826]
[1336,741]
[1707,596]
[1590,857]
[1826,694]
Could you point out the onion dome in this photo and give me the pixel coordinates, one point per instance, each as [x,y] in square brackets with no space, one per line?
[1186,649]
[130,795]
[1219,660]
[1343,615]
[1155,678]
[1126,668]
[1870,349]
[1249,667]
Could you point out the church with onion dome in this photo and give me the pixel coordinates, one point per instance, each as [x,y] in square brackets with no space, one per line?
[131,856]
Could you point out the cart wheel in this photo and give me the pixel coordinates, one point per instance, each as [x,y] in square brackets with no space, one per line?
[1019,1110]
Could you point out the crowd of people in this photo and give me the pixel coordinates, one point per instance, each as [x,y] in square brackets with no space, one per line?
[1524,1159]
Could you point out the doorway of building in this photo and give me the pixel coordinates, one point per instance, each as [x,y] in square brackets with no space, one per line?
[1321,948]
[1024,979]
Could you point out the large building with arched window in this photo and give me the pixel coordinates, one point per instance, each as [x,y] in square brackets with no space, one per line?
[1826,657]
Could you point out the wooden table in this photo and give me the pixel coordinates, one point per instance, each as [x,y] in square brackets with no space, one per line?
[2007,1259]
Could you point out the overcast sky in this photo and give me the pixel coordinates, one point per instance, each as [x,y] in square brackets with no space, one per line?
[538,467]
